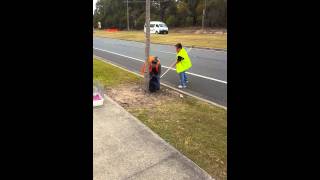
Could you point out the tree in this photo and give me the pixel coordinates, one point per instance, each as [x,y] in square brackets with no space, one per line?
[217,13]
[183,13]
[111,13]
[171,21]
[163,5]
[192,4]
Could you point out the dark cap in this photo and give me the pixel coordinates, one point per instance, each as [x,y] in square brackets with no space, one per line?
[178,45]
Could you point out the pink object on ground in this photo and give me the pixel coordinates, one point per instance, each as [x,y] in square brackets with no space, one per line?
[97,97]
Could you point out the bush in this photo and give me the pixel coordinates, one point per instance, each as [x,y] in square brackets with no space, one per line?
[140,21]
[189,21]
[171,21]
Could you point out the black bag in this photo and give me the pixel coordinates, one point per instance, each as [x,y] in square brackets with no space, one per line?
[154,84]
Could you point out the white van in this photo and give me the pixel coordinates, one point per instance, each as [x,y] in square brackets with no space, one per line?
[157,27]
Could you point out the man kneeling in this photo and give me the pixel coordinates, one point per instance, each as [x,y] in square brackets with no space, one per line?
[154,72]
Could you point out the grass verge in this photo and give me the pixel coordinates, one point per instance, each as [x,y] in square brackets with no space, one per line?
[197,129]
[111,76]
[218,41]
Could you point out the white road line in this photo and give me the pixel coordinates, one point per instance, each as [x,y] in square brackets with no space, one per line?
[119,54]
[181,91]
[198,75]
[167,52]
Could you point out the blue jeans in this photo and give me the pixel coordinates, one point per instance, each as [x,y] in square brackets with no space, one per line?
[183,78]
[158,78]
[156,83]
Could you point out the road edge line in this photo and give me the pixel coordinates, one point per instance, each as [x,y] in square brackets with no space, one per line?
[140,60]
[164,84]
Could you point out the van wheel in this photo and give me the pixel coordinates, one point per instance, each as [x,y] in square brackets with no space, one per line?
[157,32]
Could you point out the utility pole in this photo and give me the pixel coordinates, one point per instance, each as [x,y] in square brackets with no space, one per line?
[147,46]
[128,16]
[203,14]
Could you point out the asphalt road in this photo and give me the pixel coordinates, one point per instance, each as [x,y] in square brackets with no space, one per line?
[207,77]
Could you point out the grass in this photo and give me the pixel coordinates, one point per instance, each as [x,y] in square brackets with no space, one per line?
[218,41]
[111,76]
[197,129]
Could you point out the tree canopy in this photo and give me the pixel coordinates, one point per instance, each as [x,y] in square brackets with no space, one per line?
[175,13]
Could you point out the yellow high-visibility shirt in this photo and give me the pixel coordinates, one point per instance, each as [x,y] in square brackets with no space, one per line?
[184,64]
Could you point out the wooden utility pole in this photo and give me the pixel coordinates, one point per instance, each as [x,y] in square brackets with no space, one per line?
[128,16]
[147,46]
[204,14]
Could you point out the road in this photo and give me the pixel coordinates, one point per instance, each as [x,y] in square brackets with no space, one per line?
[207,77]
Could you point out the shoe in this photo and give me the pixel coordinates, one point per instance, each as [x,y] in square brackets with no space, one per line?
[180,87]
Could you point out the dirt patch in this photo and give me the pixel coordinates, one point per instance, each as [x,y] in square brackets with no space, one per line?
[195,128]
[134,96]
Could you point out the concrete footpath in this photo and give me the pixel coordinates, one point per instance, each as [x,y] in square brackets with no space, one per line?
[124,148]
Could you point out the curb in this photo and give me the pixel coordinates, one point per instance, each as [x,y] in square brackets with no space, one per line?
[188,161]
[164,84]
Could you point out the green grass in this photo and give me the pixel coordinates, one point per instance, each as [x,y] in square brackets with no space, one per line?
[197,129]
[111,76]
[187,39]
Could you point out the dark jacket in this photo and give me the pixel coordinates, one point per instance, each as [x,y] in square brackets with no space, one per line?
[154,83]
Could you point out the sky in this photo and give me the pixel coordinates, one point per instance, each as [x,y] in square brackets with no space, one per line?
[94,4]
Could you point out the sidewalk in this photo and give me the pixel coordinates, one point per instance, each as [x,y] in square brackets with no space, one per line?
[124,148]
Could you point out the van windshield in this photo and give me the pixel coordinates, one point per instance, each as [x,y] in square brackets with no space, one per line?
[162,25]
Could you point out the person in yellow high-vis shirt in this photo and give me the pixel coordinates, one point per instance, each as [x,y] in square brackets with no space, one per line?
[182,65]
